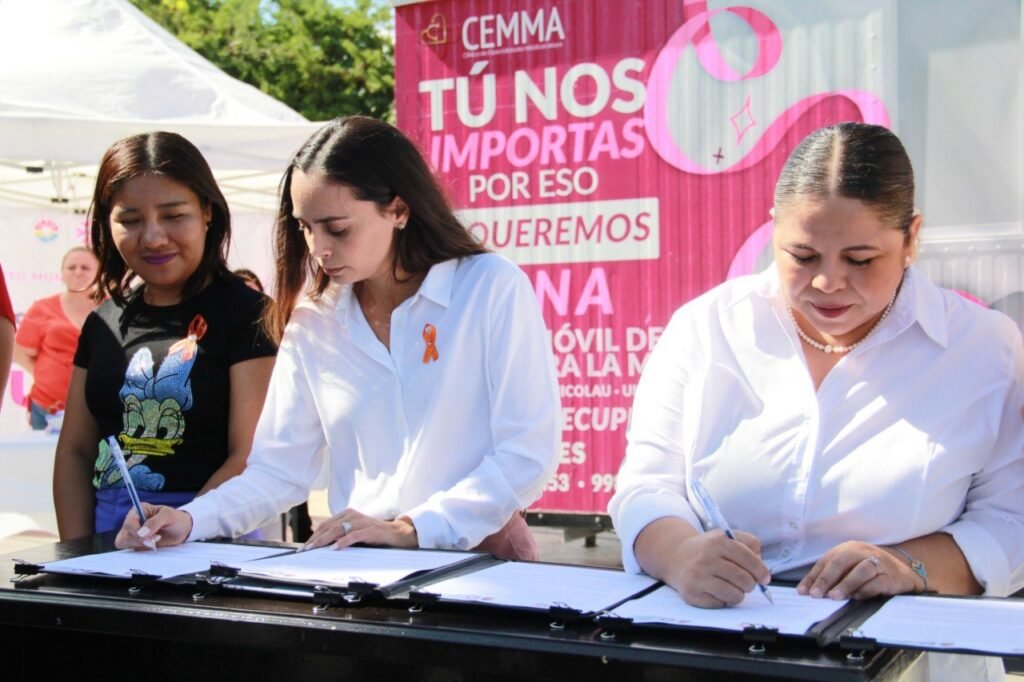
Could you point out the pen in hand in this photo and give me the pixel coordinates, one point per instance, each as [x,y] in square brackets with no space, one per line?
[718,521]
[122,465]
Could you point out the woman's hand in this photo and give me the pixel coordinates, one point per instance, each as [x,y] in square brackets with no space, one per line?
[165,526]
[859,570]
[711,570]
[350,527]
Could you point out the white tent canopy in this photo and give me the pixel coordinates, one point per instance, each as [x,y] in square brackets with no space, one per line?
[76,75]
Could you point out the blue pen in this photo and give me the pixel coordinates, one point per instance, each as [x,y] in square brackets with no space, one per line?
[115,450]
[718,521]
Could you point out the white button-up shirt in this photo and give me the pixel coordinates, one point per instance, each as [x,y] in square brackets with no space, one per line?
[917,430]
[458,444]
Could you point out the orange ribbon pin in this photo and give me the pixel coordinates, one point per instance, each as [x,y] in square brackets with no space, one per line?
[187,346]
[430,336]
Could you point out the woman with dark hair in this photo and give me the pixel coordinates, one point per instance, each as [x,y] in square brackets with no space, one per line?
[859,424]
[415,361]
[175,364]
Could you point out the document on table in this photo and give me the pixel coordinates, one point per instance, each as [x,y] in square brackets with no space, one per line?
[993,626]
[540,586]
[792,614]
[183,559]
[326,566]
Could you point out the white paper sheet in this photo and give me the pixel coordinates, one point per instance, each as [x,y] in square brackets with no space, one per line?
[792,614]
[985,625]
[190,557]
[326,566]
[540,586]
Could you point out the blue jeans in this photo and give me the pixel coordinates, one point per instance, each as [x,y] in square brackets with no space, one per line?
[36,416]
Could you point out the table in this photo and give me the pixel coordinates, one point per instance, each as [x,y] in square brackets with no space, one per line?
[56,626]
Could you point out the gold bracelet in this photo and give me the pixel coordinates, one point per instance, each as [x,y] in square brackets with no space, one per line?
[916,565]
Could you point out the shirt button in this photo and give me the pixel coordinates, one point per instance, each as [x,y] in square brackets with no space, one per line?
[786,553]
[793,525]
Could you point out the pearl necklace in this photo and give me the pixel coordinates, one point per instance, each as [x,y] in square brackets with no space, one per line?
[829,348]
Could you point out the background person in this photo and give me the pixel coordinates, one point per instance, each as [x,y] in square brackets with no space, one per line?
[250,278]
[6,335]
[175,364]
[48,335]
[417,362]
[860,424]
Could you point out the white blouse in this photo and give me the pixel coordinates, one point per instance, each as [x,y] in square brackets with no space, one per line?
[457,443]
[917,430]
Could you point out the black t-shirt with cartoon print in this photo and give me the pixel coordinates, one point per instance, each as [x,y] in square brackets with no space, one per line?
[158,380]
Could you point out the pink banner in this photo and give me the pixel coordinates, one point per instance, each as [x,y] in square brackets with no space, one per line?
[622,157]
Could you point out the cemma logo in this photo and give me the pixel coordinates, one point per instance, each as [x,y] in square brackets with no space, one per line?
[436,32]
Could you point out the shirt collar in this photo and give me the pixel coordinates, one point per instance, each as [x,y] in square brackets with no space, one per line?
[916,302]
[923,303]
[436,286]
[767,283]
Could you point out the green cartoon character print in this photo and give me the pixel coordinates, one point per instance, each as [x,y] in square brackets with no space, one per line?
[155,405]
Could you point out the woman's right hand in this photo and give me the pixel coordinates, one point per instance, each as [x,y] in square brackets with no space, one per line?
[165,526]
[711,570]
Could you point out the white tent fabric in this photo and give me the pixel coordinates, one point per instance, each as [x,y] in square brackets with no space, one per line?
[76,75]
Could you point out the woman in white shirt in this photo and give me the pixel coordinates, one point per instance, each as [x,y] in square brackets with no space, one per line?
[415,362]
[860,428]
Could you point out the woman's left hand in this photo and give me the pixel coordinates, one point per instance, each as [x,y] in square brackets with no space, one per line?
[351,526]
[858,570]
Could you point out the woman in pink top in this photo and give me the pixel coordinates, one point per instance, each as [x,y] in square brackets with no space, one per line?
[48,335]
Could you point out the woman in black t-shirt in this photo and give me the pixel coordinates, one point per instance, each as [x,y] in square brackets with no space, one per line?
[175,364]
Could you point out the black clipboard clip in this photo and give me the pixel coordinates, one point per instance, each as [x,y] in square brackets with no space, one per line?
[206,585]
[361,588]
[222,571]
[420,598]
[855,644]
[562,615]
[760,633]
[758,636]
[24,568]
[140,580]
[611,625]
[326,597]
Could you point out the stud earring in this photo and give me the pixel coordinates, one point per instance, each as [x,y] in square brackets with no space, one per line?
[400,226]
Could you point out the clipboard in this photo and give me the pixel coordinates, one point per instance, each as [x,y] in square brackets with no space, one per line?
[492,585]
[183,564]
[429,588]
[855,627]
[984,625]
[755,624]
[357,570]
